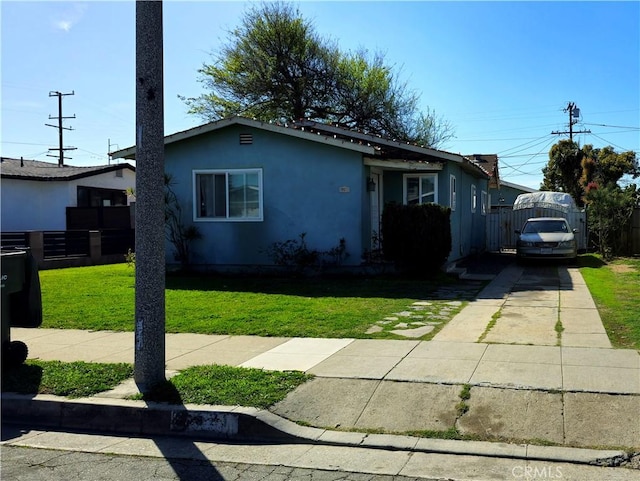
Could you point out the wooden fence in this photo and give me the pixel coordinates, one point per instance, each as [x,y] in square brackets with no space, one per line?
[71,248]
[502,223]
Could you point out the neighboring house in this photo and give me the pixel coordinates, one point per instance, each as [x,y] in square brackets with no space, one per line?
[35,196]
[247,184]
[501,192]
[507,193]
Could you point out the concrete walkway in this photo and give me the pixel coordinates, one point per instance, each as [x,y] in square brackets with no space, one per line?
[528,381]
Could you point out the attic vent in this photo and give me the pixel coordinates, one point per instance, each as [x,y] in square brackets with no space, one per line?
[246,139]
[119,173]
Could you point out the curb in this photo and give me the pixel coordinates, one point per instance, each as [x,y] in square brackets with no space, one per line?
[126,417]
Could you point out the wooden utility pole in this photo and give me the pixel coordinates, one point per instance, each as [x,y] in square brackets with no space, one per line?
[574,114]
[61,148]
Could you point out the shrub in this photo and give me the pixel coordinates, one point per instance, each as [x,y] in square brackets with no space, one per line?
[130,258]
[296,256]
[416,237]
[609,211]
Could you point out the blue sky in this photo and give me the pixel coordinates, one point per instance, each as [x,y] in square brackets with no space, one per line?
[499,72]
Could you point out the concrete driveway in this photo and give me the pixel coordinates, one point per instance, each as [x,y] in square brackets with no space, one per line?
[543,305]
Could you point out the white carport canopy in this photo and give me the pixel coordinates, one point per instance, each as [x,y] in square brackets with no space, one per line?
[550,200]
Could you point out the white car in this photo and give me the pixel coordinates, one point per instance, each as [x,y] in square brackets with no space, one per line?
[546,237]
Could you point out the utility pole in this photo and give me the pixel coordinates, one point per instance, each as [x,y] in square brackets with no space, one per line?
[61,149]
[574,115]
[109,147]
[150,261]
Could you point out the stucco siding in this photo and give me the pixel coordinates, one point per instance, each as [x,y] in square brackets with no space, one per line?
[307,188]
[29,205]
[467,227]
[41,205]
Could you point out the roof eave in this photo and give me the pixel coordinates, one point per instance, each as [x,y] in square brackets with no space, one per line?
[130,152]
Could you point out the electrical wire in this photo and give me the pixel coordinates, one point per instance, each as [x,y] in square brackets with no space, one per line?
[21,143]
[610,143]
[517,169]
[613,126]
[534,143]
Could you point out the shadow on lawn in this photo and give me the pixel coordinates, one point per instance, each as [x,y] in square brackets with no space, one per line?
[591,261]
[388,286]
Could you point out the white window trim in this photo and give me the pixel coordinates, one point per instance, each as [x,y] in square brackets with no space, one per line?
[453,194]
[483,203]
[196,218]
[474,199]
[420,175]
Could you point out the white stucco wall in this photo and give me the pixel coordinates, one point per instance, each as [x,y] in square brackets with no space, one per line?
[37,205]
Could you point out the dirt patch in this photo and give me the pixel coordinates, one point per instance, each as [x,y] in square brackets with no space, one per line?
[621,268]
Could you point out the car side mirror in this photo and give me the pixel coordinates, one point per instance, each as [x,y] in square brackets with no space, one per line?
[575,231]
[517,231]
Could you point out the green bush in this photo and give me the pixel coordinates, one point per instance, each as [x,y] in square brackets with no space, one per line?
[416,237]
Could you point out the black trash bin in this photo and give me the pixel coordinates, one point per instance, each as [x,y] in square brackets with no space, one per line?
[21,301]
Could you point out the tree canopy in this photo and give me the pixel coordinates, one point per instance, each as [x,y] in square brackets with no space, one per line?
[576,170]
[591,175]
[276,67]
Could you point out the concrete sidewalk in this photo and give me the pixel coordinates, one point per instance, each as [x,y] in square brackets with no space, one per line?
[564,368]
[569,389]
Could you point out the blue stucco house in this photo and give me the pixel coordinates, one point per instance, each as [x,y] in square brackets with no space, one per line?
[247,184]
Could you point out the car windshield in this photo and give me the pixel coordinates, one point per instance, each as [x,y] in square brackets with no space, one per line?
[545,226]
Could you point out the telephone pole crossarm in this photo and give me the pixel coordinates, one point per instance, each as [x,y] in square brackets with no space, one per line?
[61,148]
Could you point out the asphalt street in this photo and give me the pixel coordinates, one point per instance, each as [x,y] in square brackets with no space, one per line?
[30,464]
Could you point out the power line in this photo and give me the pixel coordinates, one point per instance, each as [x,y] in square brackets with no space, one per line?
[527,145]
[610,143]
[614,126]
[21,143]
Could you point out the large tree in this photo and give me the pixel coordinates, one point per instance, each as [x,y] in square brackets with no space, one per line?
[564,170]
[576,170]
[275,67]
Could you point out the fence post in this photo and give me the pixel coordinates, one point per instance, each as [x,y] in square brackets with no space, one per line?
[35,241]
[95,246]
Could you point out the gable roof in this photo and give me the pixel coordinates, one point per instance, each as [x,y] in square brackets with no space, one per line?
[48,171]
[372,146]
[488,162]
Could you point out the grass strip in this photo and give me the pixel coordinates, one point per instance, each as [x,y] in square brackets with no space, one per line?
[227,385]
[615,288]
[70,379]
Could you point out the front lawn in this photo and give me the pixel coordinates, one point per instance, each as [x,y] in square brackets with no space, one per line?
[615,288]
[102,298]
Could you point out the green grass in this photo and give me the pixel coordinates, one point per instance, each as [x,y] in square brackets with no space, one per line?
[228,386]
[492,323]
[559,329]
[102,298]
[70,379]
[224,385]
[615,288]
